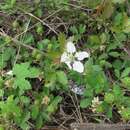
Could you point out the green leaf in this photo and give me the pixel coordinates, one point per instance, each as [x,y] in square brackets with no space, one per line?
[88,92]
[117,73]
[108,10]
[127,26]
[118,95]
[6,55]
[117,64]
[24,70]
[24,121]
[74,30]
[33,72]
[25,100]
[109,98]
[1,92]
[12,2]
[94,41]
[114,54]
[10,107]
[53,106]
[28,39]
[21,70]
[103,38]
[42,45]
[84,103]
[118,1]
[126,82]
[126,72]
[62,78]
[109,112]
[1,82]
[39,122]
[118,19]
[39,29]
[125,113]
[22,84]
[2,127]
[34,111]
[117,91]
[82,28]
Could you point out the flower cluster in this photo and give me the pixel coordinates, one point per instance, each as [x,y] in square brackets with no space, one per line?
[95,103]
[72,58]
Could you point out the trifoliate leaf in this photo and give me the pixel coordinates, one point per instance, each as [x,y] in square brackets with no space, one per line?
[24,70]
[21,72]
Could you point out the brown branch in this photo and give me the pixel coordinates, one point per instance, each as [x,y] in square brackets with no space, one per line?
[20,43]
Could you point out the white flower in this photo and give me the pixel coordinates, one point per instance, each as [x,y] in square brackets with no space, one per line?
[95,103]
[77,89]
[72,58]
[70,47]
[9,73]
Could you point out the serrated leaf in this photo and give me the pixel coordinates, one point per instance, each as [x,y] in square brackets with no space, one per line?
[21,70]
[126,82]
[33,72]
[10,107]
[84,103]
[109,98]
[126,72]
[61,77]
[24,70]
[22,84]
[125,113]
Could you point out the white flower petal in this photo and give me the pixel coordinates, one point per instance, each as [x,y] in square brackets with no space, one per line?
[10,72]
[77,89]
[68,64]
[70,47]
[78,66]
[64,57]
[81,55]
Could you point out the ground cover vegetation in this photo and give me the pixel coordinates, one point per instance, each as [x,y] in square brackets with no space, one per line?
[64,61]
